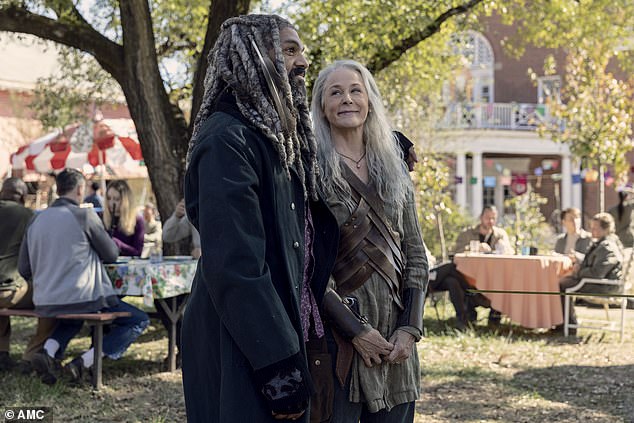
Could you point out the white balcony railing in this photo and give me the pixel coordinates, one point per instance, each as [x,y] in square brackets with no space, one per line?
[519,116]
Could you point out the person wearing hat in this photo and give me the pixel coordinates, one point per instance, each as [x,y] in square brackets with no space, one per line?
[15,291]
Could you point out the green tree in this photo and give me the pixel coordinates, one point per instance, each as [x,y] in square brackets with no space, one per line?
[527,226]
[441,219]
[131,40]
[596,115]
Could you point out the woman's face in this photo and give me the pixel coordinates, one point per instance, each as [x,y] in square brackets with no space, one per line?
[345,99]
[114,201]
[571,224]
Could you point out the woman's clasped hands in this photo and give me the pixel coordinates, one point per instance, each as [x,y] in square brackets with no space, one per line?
[374,349]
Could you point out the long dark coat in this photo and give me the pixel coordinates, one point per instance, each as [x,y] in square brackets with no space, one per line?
[243,312]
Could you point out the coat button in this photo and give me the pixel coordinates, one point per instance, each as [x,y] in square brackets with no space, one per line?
[295,244]
[317,362]
[292,206]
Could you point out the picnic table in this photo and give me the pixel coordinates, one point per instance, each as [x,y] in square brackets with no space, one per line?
[519,273]
[162,281]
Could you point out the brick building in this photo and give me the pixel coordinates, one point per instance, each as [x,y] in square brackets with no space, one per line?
[492,110]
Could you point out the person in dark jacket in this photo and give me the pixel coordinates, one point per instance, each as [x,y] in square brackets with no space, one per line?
[15,291]
[72,279]
[574,238]
[603,259]
[622,214]
[268,240]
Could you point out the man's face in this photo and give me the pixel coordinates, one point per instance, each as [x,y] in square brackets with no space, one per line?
[81,191]
[597,231]
[488,219]
[293,52]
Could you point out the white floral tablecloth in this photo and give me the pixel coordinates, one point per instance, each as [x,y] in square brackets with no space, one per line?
[139,277]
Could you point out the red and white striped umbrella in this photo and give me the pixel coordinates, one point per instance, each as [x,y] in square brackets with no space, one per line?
[112,142]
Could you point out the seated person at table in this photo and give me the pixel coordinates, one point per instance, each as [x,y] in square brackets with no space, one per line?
[16,292]
[121,220]
[447,278]
[178,227]
[73,279]
[492,238]
[153,232]
[603,260]
[574,238]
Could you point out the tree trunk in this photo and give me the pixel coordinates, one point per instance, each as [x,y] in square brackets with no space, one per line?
[219,11]
[161,127]
[601,188]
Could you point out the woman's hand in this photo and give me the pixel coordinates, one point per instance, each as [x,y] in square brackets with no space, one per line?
[403,343]
[371,346]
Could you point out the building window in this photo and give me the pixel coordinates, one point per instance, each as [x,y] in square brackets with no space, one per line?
[475,82]
[549,89]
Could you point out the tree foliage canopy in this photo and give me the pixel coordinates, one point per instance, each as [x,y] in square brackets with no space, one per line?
[156,51]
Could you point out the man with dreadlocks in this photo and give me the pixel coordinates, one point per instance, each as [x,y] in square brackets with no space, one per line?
[251,191]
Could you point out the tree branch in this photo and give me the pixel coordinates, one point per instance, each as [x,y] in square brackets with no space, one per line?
[170,46]
[76,34]
[384,59]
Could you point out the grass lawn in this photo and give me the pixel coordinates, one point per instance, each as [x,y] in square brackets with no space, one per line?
[505,375]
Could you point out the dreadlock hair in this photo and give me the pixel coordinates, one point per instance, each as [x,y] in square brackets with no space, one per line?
[234,65]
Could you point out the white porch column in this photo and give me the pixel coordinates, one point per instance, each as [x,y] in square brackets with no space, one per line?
[499,198]
[566,182]
[461,172]
[476,189]
[576,189]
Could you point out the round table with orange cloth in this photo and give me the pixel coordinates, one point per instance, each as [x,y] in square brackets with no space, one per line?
[519,273]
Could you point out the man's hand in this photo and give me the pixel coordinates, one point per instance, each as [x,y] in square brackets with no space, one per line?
[196,253]
[485,248]
[403,343]
[287,416]
[180,209]
[371,346]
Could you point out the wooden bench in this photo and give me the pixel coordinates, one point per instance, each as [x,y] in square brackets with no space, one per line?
[98,320]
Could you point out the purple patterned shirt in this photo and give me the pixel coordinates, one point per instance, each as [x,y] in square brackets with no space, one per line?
[308,305]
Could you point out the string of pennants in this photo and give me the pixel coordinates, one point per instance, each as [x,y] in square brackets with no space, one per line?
[518,181]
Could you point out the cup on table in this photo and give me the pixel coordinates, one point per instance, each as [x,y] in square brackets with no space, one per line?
[474,246]
[156,255]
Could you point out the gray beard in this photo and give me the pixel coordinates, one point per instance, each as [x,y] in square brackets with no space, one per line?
[298,93]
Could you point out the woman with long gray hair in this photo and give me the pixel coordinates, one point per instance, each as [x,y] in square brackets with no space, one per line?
[380,274]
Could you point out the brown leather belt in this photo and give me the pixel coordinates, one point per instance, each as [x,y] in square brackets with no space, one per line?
[367,244]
